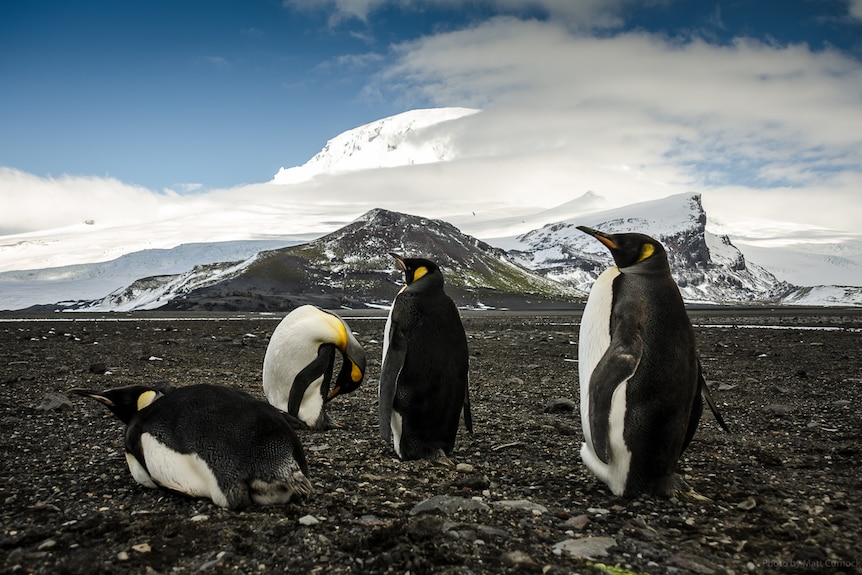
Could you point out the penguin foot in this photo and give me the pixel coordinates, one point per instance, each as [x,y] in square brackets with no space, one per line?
[683,491]
[690,495]
[441,459]
[329,423]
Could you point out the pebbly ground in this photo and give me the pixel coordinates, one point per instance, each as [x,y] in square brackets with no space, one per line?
[785,485]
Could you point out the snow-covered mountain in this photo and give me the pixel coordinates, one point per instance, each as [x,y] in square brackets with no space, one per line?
[67,285]
[61,265]
[351,267]
[707,268]
[414,137]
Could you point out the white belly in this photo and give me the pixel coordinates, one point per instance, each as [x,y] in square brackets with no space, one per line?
[594,339]
[312,403]
[186,473]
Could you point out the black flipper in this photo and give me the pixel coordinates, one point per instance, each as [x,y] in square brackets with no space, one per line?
[389,374]
[617,365]
[322,365]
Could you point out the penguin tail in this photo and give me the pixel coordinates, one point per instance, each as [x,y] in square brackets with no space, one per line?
[704,392]
[468,415]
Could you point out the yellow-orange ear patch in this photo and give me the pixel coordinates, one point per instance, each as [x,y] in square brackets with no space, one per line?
[420,271]
[146,398]
[646,251]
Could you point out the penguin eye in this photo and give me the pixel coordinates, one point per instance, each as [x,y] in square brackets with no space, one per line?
[646,251]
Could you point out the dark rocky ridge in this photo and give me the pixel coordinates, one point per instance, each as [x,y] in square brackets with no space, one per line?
[351,267]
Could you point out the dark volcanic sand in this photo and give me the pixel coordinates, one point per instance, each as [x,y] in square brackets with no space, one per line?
[785,485]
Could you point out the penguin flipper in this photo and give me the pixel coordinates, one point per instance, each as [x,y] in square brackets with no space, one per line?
[390,372]
[321,365]
[616,366]
[704,391]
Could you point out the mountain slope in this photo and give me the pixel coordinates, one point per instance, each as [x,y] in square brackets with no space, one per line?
[350,267]
[708,268]
[25,288]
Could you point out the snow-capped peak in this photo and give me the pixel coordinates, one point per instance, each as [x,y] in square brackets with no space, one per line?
[398,140]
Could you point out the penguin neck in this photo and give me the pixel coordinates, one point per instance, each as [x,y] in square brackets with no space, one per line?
[428,283]
[653,269]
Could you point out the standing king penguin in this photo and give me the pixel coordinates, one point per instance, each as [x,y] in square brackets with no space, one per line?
[209,441]
[297,367]
[640,377]
[423,381]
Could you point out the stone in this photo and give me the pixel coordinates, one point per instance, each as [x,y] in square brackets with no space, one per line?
[578,522]
[424,527]
[448,504]
[516,558]
[777,409]
[54,402]
[308,520]
[560,405]
[589,548]
[521,505]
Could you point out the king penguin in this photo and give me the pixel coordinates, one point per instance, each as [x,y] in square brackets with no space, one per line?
[640,377]
[297,367]
[209,441]
[423,385]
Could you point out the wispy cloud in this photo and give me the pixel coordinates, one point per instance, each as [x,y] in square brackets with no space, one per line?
[217,61]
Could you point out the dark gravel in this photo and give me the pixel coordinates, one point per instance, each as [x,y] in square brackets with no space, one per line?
[785,485]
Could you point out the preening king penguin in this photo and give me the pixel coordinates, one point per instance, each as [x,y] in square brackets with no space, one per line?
[640,377]
[423,380]
[209,441]
[297,367]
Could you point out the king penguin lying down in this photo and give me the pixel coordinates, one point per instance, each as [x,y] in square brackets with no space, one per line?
[423,377]
[297,367]
[209,441]
[640,377]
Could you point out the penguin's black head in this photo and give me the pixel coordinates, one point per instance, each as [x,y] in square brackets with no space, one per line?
[416,269]
[629,249]
[125,402]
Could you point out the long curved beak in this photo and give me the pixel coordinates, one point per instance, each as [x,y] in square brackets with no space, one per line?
[400,261]
[606,239]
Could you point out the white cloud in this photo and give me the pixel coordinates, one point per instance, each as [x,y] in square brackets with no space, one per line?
[50,202]
[855,9]
[780,122]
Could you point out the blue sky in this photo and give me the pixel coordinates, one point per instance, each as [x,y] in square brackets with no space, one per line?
[146,99]
[165,94]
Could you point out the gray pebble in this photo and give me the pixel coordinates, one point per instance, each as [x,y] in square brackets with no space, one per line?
[559,405]
[590,548]
[54,402]
[777,408]
[448,504]
[522,505]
